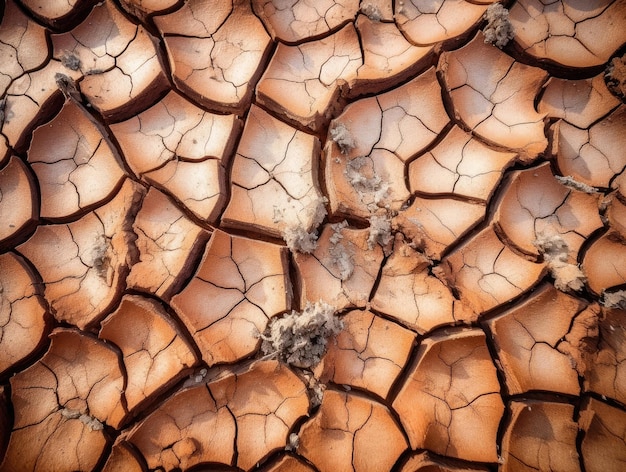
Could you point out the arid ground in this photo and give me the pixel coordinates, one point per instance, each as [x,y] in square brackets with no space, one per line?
[313,235]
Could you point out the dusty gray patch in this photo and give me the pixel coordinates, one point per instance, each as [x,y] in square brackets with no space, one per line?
[498,30]
[300,339]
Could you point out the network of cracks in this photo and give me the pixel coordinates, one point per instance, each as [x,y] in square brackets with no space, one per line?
[312,235]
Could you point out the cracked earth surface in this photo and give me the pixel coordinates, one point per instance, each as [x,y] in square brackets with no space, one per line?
[312,235]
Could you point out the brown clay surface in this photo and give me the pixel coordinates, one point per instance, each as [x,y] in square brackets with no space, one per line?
[312,235]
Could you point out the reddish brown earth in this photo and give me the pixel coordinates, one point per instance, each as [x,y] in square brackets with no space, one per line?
[312,235]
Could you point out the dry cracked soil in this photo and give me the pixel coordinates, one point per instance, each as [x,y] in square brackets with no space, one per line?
[313,235]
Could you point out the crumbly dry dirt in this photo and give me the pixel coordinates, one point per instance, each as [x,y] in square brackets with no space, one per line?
[312,235]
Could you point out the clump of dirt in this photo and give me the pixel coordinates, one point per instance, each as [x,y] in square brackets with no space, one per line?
[380,231]
[91,422]
[342,136]
[300,339]
[371,11]
[339,254]
[498,30]
[297,238]
[616,300]
[555,251]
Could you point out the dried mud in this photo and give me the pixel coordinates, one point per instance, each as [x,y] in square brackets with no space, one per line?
[312,235]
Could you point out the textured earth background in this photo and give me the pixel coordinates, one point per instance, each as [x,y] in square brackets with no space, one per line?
[312,235]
